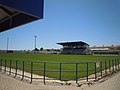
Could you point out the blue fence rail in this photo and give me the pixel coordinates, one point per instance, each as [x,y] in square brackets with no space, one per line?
[97,69]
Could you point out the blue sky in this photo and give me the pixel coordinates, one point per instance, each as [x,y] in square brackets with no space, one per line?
[96,22]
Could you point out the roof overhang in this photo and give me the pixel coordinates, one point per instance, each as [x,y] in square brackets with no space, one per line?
[14,13]
[73,43]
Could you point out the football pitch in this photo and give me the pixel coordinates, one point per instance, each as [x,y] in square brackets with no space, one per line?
[58,57]
[53,63]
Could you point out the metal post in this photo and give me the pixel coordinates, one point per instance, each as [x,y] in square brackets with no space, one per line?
[22,70]
[16,69]
[109,66]
[101,69]
[0,64]
[60,71]
[95,71]
[5,65]
[10,66]
[76,72]
[44,72]
[31,72]
[113,65]
[87,71]
[105,68]
[118,64]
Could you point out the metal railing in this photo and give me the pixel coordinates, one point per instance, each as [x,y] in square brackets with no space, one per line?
[76,70]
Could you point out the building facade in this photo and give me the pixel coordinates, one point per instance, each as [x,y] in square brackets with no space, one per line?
[106,49]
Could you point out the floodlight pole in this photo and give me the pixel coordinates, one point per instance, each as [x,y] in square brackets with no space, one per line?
[35,41]
[7,43]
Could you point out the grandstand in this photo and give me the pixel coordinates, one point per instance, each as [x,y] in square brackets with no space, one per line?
[75,48]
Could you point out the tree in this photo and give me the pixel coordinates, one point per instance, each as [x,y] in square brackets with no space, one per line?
[36,49]
[41,49]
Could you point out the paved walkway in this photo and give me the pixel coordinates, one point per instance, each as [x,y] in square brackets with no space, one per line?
[10,83]
[111,84]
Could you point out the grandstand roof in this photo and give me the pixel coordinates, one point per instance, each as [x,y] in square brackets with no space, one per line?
[73,43]
[15,13]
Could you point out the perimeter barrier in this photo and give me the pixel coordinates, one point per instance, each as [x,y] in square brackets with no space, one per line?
[59,70]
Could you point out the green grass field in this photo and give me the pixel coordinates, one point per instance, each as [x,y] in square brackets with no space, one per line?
[58,58]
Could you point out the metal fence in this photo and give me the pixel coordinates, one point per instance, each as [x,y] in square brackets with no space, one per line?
[77,71]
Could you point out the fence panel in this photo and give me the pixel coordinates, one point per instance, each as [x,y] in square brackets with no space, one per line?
[63,71]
